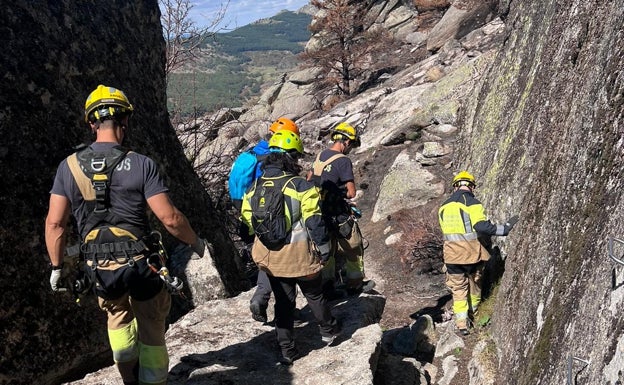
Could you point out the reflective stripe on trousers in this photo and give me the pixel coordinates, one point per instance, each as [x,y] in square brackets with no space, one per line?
[127,320]
[352,252]
[123,342]
[466,289]
[153,364]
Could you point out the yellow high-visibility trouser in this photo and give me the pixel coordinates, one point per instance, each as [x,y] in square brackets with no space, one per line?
[466,289]
[351,249]
[136,332]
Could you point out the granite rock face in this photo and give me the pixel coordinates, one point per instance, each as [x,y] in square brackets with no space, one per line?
[55,54]
[544,134]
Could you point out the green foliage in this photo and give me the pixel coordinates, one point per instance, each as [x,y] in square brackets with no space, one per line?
[237,64]
[486,308]
[483,321]
[413,135]
[286,31]
[202,92]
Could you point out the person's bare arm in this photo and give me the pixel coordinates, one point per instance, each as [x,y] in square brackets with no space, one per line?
[350,190]
[173,219]
[55,225]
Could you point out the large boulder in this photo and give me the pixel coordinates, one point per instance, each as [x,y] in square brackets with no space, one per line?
[543,134]
[56,53]
[460,19]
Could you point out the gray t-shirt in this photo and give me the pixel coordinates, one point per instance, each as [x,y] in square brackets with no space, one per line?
[134,180]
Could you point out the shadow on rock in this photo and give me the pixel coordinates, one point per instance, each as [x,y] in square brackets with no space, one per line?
[436,312]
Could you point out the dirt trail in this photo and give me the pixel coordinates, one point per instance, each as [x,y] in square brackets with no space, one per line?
[408,293]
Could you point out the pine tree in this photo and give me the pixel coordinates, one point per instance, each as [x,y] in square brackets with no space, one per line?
[346,43]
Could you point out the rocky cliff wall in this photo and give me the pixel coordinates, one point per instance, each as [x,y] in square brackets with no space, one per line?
[54,54]
[543,134]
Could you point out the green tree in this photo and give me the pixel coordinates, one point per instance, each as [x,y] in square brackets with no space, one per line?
[346,43]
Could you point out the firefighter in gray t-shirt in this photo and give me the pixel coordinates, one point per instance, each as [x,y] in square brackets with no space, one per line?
[108,191]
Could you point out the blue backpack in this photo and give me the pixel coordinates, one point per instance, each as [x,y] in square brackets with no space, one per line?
[246,169]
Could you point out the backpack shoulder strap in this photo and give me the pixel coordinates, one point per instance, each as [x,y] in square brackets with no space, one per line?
[287,180]
[320,165]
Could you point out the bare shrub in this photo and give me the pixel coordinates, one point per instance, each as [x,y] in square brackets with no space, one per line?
[420,246]
[184,39]
[331,101]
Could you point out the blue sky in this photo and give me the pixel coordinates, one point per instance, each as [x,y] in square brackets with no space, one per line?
[241,12]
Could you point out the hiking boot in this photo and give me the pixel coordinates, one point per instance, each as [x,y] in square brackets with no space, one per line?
[288,359]
[368,286]
[364,287]
[328,338]
[258,312]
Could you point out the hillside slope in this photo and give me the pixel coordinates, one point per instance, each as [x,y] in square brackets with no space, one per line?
[234,65]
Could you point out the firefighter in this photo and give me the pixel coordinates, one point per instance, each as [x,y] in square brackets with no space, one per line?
[108,191]
[332,172]
[463,222]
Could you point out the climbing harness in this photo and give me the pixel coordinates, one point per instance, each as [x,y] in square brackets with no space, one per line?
[106,237]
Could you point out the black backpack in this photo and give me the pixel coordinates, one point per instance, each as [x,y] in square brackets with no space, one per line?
[268,214]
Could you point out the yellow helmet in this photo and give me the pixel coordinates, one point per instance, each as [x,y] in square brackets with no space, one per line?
[345,131]
[464,178]
[106,102]
[284,124]
[286,140]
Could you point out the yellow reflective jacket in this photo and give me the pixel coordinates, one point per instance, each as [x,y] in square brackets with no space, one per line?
[303,215]
[462,219]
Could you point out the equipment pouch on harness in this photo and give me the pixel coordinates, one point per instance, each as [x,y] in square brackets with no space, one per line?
[345,225]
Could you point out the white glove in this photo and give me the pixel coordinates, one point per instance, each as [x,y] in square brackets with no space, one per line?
[55,275]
